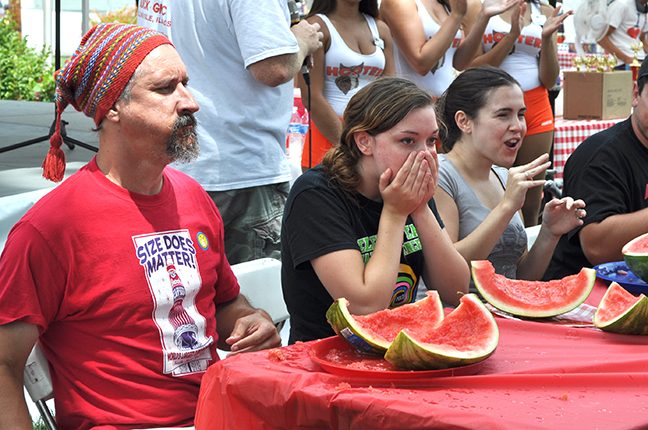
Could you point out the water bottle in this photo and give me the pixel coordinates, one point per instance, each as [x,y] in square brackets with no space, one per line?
[305,121]
[295,140]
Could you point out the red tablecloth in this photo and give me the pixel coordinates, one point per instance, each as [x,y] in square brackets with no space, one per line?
[542,376]
[569,134]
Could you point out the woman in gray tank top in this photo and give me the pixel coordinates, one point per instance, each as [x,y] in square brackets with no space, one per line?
[481,118]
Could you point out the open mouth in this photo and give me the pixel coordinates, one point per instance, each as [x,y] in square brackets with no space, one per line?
[512,143]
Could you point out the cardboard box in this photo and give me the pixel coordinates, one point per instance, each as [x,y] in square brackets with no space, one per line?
[597,95]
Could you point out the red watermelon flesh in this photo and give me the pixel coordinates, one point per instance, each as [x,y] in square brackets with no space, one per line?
[468,335]
[462,329]
[533,299]
[419,317]
[638,245]
[635,254]
[375,332]
[622,312]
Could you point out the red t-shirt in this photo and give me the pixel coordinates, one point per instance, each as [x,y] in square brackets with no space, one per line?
[123,288]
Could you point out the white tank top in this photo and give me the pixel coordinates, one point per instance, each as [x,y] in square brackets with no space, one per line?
[442,74]
[346,70]
[522,61]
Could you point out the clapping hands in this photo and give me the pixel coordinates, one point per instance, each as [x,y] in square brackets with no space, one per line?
[490,8]
[554,21]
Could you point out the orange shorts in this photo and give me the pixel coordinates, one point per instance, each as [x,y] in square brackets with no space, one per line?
[539,116]
[320,147]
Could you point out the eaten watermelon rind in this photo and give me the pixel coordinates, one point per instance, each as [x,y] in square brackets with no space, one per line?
[506,294]
[351,329]
[635,254]
[409,353]
[633,319]
[345,326]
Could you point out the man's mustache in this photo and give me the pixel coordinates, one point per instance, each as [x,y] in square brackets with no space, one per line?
[185,121]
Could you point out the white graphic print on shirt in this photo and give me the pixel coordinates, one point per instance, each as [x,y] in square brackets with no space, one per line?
[169,261]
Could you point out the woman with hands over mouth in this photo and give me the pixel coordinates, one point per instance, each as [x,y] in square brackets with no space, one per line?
[482,125]
[363,224]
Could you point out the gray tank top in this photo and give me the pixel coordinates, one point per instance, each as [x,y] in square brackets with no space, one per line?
[513,242]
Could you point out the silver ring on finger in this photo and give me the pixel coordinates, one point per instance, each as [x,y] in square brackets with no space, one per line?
[526,174]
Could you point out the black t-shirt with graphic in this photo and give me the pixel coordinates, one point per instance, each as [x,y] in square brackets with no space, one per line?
[320,218]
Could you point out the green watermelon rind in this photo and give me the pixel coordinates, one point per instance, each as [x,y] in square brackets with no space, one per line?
[343,323]
[527,311]
[633,321]
[410,354]
[636,261]
[347,327]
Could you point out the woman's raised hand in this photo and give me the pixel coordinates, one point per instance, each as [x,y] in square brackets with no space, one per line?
[517,19]
[414,184]
[555,21]
[490,8]
[562,215]
[521,179]
[459,7]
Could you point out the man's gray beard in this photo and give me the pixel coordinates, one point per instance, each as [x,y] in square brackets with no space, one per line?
[184,148]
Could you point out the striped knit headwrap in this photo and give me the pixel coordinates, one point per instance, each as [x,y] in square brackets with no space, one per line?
[95,76]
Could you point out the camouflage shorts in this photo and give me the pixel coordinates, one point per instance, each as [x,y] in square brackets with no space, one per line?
[252,220]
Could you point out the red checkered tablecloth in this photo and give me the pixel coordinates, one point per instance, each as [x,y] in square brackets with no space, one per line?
[565,60]
[570,133]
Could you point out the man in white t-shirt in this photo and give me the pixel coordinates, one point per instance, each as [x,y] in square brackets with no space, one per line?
[242,56]
[627,20]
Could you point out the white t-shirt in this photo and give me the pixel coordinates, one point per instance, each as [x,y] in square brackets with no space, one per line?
[629,24]
[242,123]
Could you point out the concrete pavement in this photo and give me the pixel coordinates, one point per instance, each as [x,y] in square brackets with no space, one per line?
[24,121]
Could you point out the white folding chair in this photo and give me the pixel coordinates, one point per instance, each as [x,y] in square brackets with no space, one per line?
[532,235]
[38,383]
[260,282]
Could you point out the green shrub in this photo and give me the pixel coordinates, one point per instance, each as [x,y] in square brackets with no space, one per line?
[39,424]
[125,15]
[25,73]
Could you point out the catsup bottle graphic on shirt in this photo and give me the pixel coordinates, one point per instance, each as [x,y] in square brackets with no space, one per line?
[184,326]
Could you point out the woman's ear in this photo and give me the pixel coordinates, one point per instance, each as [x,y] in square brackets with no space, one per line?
[463,122]
[364,141]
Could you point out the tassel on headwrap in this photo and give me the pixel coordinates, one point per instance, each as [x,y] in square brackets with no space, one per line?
[54,163]
[95,76]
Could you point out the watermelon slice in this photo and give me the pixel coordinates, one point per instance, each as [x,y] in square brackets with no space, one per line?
[468,335]
[635,254]
[532,299]
[374,333]
[622,312]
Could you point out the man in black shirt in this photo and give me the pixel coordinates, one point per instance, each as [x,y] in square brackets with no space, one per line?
[609,171]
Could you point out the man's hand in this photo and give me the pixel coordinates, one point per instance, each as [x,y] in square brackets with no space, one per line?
[243,328]
[308,36]
[253,332]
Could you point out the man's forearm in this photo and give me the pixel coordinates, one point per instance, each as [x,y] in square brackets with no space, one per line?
[14,413]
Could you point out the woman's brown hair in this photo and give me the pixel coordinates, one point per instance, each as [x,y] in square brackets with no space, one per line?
[374,109]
